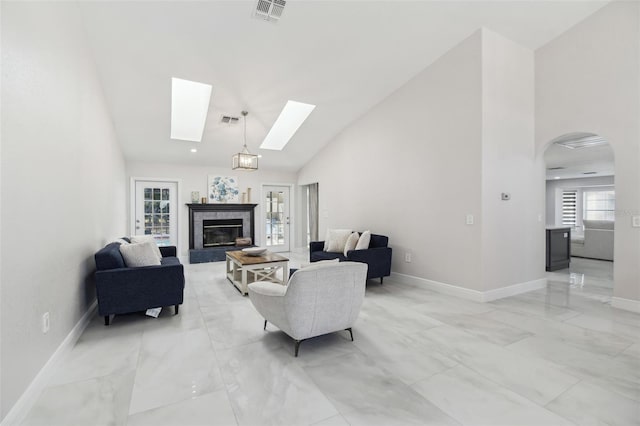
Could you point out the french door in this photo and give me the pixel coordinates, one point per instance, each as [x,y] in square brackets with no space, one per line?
[277,217]
[156,211]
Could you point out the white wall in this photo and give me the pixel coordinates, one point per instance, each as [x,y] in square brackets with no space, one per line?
[554,194]
[511,252]
[445,145]
[194,178]
[588,80]
[63,184]
[410,168]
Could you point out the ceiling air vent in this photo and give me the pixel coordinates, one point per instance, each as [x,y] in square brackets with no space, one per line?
[589,173]
[227,119]
[555,168]
[270,10]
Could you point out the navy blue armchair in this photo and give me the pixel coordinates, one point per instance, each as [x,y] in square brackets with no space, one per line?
[377,256]
[122,290]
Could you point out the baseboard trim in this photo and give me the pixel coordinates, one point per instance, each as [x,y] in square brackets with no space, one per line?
[469,294]
[514,289]
[450,289]
[626,304]
[21,408]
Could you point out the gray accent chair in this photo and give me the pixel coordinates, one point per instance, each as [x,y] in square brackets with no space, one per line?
[317,300]
[597,242]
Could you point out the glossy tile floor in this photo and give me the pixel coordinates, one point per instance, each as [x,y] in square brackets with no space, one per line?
[556,356]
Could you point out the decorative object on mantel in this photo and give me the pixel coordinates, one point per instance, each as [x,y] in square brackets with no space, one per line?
[244,198]
[244,160]
[195,197]
[248,195]
[204,200]
[223,189]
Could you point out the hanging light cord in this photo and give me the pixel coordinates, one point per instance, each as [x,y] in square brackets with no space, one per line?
[244,113]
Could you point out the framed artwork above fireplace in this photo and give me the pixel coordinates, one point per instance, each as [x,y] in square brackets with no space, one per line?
[223,189]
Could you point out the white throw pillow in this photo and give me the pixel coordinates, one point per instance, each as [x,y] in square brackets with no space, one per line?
[136,239]
[351,243]
[336,239]
[363,242]
[140,254]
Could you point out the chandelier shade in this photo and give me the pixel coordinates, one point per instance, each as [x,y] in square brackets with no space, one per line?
[244,160]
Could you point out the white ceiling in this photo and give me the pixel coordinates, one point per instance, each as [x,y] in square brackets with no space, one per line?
[343,56]
[577,162]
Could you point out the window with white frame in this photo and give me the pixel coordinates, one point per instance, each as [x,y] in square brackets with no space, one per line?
[599,205]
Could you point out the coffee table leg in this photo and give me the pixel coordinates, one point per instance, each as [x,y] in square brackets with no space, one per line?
[244,281]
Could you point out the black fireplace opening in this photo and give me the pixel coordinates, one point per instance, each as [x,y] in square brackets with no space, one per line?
[221,232]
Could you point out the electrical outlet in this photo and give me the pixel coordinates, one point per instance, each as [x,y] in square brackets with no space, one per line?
[469,219]
[505,196]
[46,322]
[635,221]
[407,257]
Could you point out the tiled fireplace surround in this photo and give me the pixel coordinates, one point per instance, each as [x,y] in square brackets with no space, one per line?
[198,213]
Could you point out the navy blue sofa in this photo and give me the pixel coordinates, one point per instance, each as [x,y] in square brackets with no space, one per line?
[377,256]
[122,290]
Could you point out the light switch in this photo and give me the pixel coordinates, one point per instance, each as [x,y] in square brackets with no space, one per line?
[635,221]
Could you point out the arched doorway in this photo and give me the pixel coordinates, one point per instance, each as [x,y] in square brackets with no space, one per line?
[580,196]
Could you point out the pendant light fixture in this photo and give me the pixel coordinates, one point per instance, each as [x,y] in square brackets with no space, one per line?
[244,160]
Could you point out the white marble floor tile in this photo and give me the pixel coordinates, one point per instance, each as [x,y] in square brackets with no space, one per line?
[229,327]
[582,338]
[98,401]
[483,327]
[266,386]
[407,358]
[367,395]
[174,367]
[607,325]
[538,308]
[100,351]
[474,400]
[332,421]
[589,404]
[607,371]
[534,378]
[212,409]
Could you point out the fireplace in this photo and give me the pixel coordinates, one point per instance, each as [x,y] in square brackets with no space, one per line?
[221,232]
[213,229]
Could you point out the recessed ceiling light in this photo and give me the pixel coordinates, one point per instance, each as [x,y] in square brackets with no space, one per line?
[194,150]
[557,177]
[291,118]
[189,106]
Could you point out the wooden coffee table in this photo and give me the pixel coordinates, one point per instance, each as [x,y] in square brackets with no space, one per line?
[241,268]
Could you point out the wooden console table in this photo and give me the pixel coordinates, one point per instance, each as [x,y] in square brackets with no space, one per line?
[241,268]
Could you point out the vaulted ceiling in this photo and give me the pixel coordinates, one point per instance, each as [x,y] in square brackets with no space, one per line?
[343,56]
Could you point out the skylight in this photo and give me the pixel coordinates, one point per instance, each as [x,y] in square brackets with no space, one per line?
[189,106]
[291,118]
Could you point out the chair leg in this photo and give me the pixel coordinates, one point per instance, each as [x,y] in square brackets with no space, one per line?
[265,325]
[297,347]
[381,280]
[106,320]
[175,309]
[350,332]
